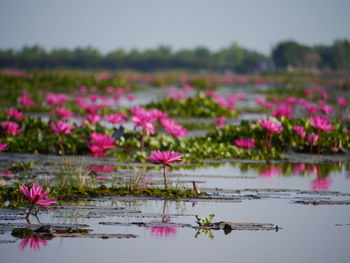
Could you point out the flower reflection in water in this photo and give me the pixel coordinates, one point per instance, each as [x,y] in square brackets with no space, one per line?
[320,184]
[164,229]
[271,172]
[35,243]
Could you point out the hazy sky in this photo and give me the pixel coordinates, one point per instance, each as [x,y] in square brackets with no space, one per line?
[112,24]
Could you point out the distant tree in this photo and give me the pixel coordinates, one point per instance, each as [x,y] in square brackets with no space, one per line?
[290,54]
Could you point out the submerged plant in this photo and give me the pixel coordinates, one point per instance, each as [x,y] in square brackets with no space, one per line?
[164,158]
[37,197]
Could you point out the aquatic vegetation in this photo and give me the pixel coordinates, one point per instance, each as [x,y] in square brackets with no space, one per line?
[204,221]
[164,158]
[36,196]
[198,106]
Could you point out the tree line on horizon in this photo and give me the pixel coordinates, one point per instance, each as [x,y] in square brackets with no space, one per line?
[285,55]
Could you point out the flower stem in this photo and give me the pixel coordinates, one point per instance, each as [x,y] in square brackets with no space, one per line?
[30,210]
[60,143]
[164,175]
[143,141]
[319,142]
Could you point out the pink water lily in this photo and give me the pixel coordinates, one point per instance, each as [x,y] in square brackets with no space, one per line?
[37,197]
[93,118]
[272,127]
[300,131]
[100,143]
[26,101]
[164,158]
[56,99]
[10,127]
[326,109]
[173,128]
[115,118]
[61,127]
[245,143]
[14,113]
[342,102]
[3,147]
[312,139]
[64,113]
[283,110]
[321,124]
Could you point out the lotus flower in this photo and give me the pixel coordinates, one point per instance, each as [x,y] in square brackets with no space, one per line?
[283,110]
[10,127]
[37,197]
[245,143]
[13,113]
[56,99]
[115,118]
[300,131]
[93,118]
[64,113]
[164,158]
[342,102]
[26,101]
[3,147]
[100,142]
[321,124]
[308,92]
[272,126]
[173,128]
[326,109]
[61,127]
[313,139]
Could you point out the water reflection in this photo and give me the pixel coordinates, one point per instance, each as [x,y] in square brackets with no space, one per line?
[35,243]
[164,231]
[204,232]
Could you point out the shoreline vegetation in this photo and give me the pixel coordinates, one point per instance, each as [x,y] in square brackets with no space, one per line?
[285,55]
